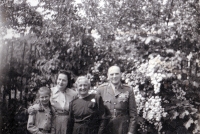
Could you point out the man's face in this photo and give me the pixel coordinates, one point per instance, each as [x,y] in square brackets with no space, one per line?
[82,87]
[114,75]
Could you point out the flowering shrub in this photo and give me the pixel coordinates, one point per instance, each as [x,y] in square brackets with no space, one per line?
[137,40]
[159,94]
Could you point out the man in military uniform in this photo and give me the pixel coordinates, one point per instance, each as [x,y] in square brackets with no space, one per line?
[119,101]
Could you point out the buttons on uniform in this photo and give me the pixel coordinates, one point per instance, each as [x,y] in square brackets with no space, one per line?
[114,113]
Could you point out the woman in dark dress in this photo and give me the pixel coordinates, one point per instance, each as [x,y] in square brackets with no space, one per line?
[86,111]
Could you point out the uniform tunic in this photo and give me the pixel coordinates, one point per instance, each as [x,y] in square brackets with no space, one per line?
[120,108]
[86,115]
[40,120]
[60,102]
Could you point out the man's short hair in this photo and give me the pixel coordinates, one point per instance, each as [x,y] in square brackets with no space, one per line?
[115,66]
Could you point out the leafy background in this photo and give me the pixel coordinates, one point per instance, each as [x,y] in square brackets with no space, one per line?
[155,42]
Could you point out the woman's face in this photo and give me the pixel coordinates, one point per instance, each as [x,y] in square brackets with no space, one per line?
[82,87]
[62,81]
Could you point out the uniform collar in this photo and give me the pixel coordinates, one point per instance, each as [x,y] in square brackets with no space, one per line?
[117,91]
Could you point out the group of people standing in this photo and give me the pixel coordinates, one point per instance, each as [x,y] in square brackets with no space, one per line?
[61,110]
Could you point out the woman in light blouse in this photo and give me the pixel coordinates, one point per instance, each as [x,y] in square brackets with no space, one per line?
[60,98]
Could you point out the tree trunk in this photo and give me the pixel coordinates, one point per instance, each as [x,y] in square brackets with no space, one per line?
[23,55]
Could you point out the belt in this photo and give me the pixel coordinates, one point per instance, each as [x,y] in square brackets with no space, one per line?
[62,113]
[117,113]
[44,131]
[89,123]
[81,122]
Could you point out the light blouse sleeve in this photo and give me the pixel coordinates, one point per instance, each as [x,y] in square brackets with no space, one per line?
[31,123]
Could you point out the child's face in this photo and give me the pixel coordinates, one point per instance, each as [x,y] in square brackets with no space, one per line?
[44,98]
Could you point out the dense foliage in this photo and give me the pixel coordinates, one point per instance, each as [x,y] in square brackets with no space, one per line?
[154,42]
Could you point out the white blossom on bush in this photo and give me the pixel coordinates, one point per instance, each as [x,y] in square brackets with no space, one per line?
[155,70]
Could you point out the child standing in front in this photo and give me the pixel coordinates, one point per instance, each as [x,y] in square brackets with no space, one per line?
[40,119]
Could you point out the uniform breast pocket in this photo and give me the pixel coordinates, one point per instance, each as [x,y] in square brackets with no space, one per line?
[123,103]
[123,100]
[123,97]
[107,103]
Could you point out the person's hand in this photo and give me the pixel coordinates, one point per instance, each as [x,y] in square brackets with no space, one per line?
[130,133]
[40,132]
[31,110]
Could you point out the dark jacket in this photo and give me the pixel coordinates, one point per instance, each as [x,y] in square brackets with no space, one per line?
[120,108]
[86,115]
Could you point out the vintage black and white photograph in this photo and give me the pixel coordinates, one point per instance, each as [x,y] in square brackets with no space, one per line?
[100,67]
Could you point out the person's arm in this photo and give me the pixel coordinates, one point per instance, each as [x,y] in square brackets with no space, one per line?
[31,123]
[70,124]
[102,114]
[53,130]
[32,110]
[98,92]
[132,113]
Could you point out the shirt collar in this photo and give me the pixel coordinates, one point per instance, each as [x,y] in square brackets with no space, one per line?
[116,90]
[55,90]
[83,97]
[115,87]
